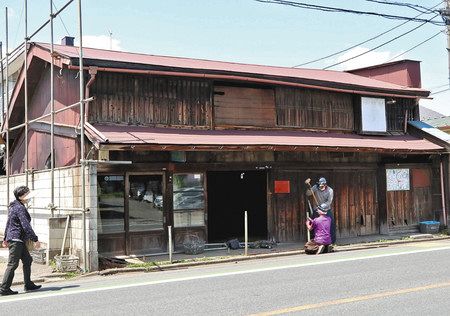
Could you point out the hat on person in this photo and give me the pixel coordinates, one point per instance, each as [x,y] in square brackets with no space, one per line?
[323,207]
[322,181]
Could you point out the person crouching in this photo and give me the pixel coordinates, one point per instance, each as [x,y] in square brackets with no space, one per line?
[321,226]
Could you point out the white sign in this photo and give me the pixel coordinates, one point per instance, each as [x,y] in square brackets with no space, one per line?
[397,179]
[373,114]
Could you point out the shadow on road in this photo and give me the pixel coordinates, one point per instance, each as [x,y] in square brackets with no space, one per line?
[54,288]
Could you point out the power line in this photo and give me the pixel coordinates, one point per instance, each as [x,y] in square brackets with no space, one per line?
[416,7]
[361,43]
[438,87]
[381,45]
[441,91]
[20,22]
[342,10]
[415,46]
[61,19]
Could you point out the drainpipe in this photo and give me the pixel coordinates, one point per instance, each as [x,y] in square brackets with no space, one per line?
[93,74]
[444,211]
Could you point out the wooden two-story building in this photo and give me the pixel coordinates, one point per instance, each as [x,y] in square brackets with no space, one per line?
[209,140]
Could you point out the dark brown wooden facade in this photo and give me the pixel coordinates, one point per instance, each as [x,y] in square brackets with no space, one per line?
[362,205]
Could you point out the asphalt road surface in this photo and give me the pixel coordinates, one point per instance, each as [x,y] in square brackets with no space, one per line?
[411,279]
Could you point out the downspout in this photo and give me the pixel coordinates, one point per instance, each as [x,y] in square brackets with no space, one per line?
[93,74]
[444,210]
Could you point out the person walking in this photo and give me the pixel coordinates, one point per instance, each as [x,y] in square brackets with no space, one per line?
[18,233]
[324,196]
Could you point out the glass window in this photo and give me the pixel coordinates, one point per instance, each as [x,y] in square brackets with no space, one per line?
[145,202]
[188,192]
[111,203]
[188,200]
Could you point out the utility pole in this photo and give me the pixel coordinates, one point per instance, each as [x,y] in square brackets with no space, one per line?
[445,13]
[110,39]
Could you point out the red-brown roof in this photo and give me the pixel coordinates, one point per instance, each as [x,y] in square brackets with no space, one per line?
[177,63]
[139,135]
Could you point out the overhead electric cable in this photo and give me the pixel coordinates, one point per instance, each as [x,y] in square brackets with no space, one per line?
[381,45]
[416,7]
[59,15]
[441,91]
[342,10]
[438,87]
[361,43]
[415,46]
[20,23]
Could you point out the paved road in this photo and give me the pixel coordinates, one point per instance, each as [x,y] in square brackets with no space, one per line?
[410,279]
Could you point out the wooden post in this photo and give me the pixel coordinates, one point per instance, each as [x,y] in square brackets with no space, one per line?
[65,235]
[246,233]
[169,228]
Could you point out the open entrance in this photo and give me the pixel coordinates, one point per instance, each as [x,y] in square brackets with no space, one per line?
[230,193]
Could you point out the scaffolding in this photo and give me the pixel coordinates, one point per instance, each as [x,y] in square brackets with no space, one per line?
[81,103]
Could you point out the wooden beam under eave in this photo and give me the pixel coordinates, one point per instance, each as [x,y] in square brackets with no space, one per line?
[155,147]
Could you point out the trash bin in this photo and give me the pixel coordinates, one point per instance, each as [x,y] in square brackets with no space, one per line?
[429,227]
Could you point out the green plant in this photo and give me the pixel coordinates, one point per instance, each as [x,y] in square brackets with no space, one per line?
[71,275]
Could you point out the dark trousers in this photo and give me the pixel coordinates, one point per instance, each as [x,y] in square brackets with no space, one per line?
[333,227]
[17,251]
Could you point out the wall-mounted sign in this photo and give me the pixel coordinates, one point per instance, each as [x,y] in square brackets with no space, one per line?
[282,186]
[397,180]
[421,178]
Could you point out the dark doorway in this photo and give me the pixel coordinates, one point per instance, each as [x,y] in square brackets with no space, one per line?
[230,193]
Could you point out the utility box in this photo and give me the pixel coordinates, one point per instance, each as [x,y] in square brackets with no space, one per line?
[429,227]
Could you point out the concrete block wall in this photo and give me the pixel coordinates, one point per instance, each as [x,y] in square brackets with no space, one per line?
[67,192]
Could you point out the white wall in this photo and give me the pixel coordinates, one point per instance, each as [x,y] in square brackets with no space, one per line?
[50,230]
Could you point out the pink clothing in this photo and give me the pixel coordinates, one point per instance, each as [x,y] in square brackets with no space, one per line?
[322,233]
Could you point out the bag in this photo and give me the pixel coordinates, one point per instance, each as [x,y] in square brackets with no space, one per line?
[29,244]
[233,244]
[311,247]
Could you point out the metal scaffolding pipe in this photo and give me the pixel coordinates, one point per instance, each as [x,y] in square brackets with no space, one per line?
[49,114]
[7,108]
[13,51]
[3,87]
[48,21]
[52,114]
[25,84]
[83,164]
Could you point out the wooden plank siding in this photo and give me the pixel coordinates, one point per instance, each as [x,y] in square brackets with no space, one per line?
[314,109]
[399,111]
[244,106]
[149,100]
[409,207]
[354,206]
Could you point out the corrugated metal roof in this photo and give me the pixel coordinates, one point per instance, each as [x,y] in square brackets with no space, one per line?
[439,121]
[427,128]
[139,135]
[229,67]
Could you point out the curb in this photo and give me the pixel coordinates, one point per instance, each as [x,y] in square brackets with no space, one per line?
[258,256]
[54,277]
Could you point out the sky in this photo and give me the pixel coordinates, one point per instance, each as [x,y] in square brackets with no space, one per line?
[248,31]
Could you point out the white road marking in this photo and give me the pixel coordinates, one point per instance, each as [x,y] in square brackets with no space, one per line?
[37,295]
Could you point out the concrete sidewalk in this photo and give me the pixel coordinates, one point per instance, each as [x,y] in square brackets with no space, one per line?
[43,273]
[39,272]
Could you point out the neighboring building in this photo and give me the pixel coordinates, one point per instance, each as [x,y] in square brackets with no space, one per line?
[427,114]
[209,140]
[442,123]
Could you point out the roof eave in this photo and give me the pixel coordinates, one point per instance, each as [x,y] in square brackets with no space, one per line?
[106,65]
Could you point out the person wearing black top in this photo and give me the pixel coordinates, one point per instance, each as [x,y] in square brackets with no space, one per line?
[17,232]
